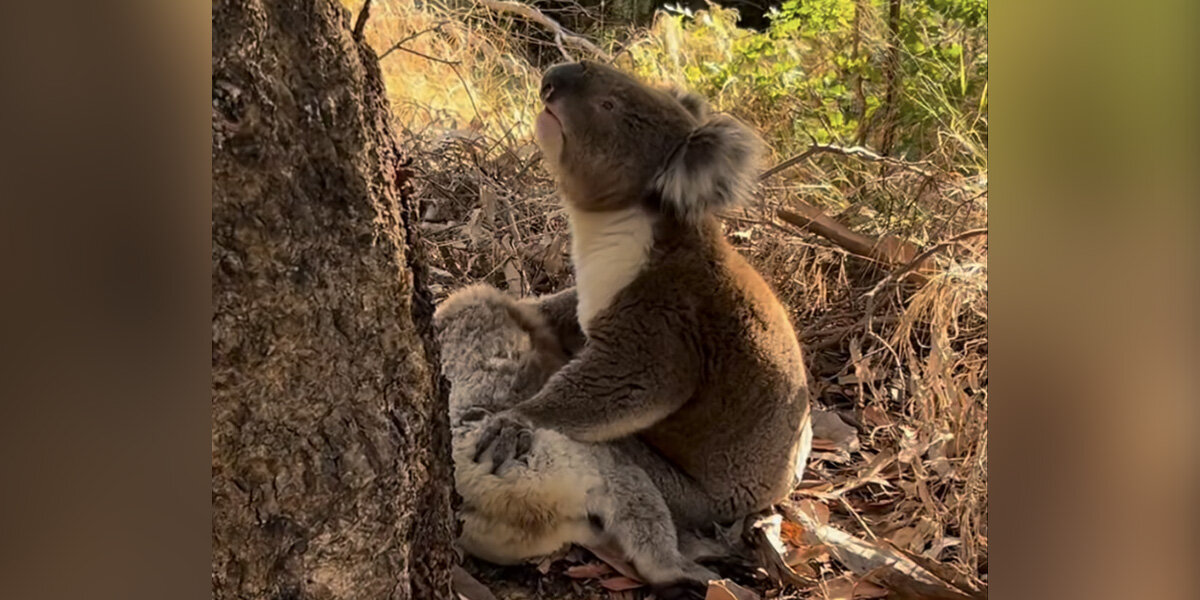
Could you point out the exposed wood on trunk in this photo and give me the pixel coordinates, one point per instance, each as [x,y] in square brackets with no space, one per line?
[330,440]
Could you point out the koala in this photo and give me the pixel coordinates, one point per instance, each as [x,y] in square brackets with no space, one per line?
[688,362]
[496,352]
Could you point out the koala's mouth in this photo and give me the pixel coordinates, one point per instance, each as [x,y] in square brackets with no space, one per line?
[548,130]
[549,110]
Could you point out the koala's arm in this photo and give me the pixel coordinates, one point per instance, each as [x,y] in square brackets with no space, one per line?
[560,311]
[632,374]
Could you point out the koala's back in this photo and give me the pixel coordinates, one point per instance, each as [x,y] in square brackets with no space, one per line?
[739,433]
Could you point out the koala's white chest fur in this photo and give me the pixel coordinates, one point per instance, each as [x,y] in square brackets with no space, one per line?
[608,250]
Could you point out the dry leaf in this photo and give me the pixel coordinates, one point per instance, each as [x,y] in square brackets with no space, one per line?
[553,261]
[552,558]
[589,571]
[512,277]
[725,589]
[876,417]
[827,425]
[907,538]
[939,544]
[487,203]
[474,227]
[815,509]
[797,559]
[843,588]
[824,444]
[801,556]
[466,586]
[792,533]
[938,460]
[615,558]
[621,583]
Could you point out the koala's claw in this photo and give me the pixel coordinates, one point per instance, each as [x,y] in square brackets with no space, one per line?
[508,437]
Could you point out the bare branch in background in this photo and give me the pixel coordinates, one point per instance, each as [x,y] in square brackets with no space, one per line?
[852,151]
[399,45]
[537,16]
[920,259]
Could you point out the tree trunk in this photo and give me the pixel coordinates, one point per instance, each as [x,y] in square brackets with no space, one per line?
[894,79]
[330,436]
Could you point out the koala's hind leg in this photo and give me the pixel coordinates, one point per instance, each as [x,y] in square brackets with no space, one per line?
[690,504]
[634,515]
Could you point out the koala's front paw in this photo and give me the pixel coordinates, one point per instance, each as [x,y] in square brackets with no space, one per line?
[507,436]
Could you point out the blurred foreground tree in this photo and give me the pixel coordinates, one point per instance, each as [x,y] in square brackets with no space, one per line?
[330,440]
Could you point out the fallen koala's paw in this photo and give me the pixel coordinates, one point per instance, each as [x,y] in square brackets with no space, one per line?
[507,437]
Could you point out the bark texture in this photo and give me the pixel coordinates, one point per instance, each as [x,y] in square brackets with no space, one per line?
[330,441]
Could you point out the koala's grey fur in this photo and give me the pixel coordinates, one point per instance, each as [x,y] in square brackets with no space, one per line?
[495,352]
[690,364]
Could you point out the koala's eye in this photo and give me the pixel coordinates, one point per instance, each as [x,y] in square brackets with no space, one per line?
[607,105]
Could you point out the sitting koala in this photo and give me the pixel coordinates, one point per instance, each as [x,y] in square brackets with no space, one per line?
[497,352]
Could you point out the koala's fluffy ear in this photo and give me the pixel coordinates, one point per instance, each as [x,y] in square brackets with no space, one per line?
[715,168]
[692,102]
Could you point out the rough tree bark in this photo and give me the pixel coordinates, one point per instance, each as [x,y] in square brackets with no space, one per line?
[330,441]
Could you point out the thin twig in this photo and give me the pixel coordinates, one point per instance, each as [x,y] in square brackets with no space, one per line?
[923,256]
[537,16]
[453,64]
[558,41]
[852,151]
[397,45]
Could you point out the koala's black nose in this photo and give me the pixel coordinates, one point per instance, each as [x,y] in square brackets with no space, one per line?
[562,79]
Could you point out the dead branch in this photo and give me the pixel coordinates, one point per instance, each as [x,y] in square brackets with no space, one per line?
[853,152]
[924,256]
[919,261]
[361,22]
[560,33]
[880,563]
[889,249]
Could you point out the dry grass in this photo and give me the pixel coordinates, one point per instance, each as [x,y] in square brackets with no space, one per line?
[906,365]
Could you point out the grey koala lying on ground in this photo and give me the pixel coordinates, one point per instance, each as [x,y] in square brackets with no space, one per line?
[496,352]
